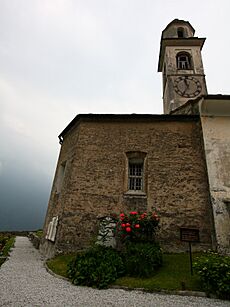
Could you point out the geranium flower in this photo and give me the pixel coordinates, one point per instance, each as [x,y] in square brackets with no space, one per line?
[137,226]
[155,216]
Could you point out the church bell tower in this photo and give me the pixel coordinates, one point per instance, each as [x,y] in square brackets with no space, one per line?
[180,62]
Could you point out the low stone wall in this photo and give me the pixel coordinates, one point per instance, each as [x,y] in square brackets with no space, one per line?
[34,239]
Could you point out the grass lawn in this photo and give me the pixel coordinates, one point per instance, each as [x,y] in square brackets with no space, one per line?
[59,264]
[174,275]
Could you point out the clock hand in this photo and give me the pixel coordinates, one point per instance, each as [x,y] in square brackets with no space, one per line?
[186,83]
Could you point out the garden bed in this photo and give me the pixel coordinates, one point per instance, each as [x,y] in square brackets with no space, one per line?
[173,275]
[137,261]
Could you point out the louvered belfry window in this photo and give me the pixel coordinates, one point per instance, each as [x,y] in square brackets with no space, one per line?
[184,61]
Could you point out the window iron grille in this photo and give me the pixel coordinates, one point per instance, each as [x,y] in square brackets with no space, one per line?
[135,176]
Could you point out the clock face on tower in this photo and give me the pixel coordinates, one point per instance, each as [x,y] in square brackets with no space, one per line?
[187,86]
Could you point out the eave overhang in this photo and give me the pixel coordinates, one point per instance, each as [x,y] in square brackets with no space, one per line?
[137,118]
[206,105]
[215,105]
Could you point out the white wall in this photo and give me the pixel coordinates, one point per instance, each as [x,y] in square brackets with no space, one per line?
[216,132]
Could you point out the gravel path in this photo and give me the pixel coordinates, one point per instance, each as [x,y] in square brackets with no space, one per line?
[25,282]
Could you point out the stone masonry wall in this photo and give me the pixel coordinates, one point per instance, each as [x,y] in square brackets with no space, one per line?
[95,180]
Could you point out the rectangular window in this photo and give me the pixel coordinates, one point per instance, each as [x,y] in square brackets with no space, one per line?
[135,176]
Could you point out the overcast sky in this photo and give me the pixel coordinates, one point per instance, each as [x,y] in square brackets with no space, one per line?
[59,58]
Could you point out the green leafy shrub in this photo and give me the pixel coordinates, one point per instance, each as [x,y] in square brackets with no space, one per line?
[97,267]
[3,241]
[214,272]
[8,245]
[142,259]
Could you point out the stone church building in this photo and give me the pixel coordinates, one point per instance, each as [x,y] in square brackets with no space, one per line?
[178,162]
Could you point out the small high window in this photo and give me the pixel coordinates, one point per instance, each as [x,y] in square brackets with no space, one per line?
[136,171]
[183,60]
[180,32]
[135,175]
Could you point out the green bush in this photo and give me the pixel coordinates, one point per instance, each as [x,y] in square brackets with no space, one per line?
[97,267]
[214,272]
[9,244]
[142,259]
[3,241]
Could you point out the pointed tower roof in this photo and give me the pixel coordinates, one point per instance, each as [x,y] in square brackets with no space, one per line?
[178,33]
[175,24]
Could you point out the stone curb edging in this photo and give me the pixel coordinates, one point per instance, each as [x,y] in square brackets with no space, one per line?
[163,292]
[166,292]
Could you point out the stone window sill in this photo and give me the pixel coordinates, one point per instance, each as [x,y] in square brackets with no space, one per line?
[136,194]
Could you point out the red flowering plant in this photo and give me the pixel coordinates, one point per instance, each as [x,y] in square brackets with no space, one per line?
[137,227]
